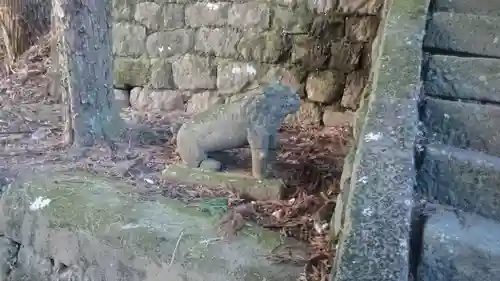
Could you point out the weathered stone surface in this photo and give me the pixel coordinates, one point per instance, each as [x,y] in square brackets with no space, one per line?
[355,83]
[249,15]
[8,254]
[463,179]
[345,55]
[307,52]
[161,74]
[477,7]
[455,32]
[254,120]
[193,72]
[149,15]
[325,87]
[332,117]
[122,99]
[292,21]
[309,114]
[268,189]
[169,43]
[463,125]
[327,28]
[322,6]
[122,9]
[97,229]
[129,39]
[232,77]
[463,78]
[361,28]
[203,101]
[217,41]
[262,47]
[207,14]
[361,6]
[130,72]
[380,197]
[460,248]
[161,100]
[173,16]
[275,73]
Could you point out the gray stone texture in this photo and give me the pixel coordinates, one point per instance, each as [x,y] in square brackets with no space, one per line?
[467,33]
[161,74]
[463,125]
[149,15]
[249,15]
[76,226]
[207,14]
[221,42]
[476,7]
[460,248]
[122,99]
[307,36]
[325,87]
[332,117]
[169,43]
[373,221]
[463,78]
[156,100]
[129,39]
[131,72]
[233,77]
[463,179]
[193,72]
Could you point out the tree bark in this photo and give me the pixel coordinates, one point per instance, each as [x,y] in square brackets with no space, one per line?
[85,71]
[14,28]
[22,23]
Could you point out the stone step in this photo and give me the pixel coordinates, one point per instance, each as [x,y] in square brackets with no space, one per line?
[466,33]
[476,7]
[463,125]
[463,78]
[459,248]
[464,179]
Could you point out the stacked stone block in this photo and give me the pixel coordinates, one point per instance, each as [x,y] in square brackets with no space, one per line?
[188,55]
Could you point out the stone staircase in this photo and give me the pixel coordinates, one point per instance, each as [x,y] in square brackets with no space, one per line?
[459,168]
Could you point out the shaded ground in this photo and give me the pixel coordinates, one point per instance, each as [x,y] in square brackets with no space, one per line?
[310,162]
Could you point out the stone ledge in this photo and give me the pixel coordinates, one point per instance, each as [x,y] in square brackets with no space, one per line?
[463,247]
[269,189]
[97,227]
[378,198]
[463,179]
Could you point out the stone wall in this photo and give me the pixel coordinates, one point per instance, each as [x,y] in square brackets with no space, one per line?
[188,54]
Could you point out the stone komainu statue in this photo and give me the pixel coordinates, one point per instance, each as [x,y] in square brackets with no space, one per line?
[252,120]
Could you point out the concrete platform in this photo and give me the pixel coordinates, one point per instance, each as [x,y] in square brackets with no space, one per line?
[269,189]
[464,248]
[463,125]
[464,179]
[466,33]
[463,78]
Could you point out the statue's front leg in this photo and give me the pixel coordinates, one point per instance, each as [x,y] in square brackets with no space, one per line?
[272,154]
[258,139]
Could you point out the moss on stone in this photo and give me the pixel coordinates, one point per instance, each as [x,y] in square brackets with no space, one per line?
[107,211]
[131,71]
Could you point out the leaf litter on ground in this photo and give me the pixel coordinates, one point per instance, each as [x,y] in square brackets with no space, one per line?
[310,162]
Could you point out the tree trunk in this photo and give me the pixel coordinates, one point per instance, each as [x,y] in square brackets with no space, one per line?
[85,71]
[22,23]
[14,28]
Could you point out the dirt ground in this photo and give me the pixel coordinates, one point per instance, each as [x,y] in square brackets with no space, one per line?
[310,162]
